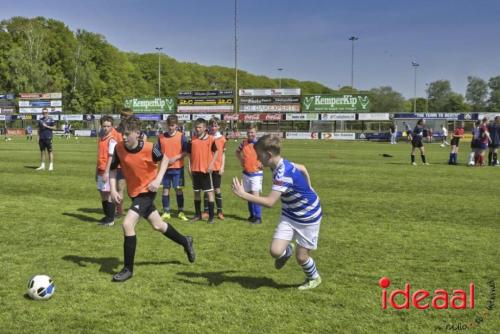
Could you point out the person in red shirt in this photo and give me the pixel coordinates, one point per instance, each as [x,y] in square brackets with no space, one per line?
[455,141]
[203,153]
[139,161]
[220,141]
[484,140]
[105,150]
[253,174]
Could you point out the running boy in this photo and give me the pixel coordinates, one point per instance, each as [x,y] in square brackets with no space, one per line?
[252,172]
[138,160]
[105,150]
[220,142]
[301,210]
[202,156]
[173,144]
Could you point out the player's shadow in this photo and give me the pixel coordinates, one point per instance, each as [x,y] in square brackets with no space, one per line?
[218,277]
[110,265]
[31,167]
[90,210]
[79,216]
[235,217]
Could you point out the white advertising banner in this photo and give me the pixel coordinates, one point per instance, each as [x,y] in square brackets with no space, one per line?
[338,117]
[373,117]
[301,135]
[35,103]
[269,92]
[206,117]
[270,108]
[344,136]
[71,117]
[180,117]
[201,109]
[39,110]
[83,133]
[302,117]
[54,117]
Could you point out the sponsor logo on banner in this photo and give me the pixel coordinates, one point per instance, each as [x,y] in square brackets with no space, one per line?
[205,102]
[270,108]
[157,105]
[39,110]
[71,117]
[180,117]
[374,117]
[2,117]
[345,102]
[301,117]
[338,117]
[301,135]
[205,93]
[205,109]
[326,135]
[83,133]
[40,96]
[54,117]
[448,116]
[269,92]
[231,117]
[489,115]
[206,117]
[344,136]
[38,103]
[270,100]
[149,117]
[6,110]
[7,96]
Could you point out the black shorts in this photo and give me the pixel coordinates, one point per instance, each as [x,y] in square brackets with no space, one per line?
[45,144]
[144,204]
[417,143]
[216,179]
[455,141]
[474,143]
[202,182]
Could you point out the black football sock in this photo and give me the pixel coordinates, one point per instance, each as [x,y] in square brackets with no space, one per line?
[211,210]
[129,251]
[490,156]
[180,202]
[495,158]
[197,207]
[175,236]
[218,201]
[110,211]
[105,207]
[412,158]
[205,202]
[423,158]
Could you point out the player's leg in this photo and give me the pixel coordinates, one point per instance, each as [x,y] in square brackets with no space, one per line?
[41,144]
[256,189]
[217,180]
[165,198]
[306,237]
[495,155]
[281,249]
[129,244]
[412,155]
[121,187]
[179,194]
[422,154]
[197,188]
[108,207]
[170,232]
[247,188]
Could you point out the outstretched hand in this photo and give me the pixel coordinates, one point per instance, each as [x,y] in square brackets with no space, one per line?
[237,187]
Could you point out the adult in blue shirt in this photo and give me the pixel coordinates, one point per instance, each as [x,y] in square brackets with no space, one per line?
[45,127]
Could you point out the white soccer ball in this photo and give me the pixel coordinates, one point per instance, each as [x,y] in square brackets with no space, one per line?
[41,287]
[442,145]
[471,163]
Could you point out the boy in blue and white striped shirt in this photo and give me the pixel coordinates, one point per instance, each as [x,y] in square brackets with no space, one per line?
[301,210]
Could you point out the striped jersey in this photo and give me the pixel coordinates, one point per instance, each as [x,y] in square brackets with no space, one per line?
[299,202]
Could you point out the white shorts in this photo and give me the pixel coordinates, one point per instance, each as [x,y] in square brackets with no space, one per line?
[101,185]
[306,235]
[252,183]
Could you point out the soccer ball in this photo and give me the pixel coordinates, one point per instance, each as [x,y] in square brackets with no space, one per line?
[471,163]
[442,145]
[41,287]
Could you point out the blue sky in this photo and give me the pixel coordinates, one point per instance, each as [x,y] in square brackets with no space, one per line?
[450,39]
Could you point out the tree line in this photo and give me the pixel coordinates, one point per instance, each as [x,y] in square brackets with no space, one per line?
[44,55]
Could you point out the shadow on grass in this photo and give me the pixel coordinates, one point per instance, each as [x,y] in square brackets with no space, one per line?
[81,217]
[90,210]
[110,265]
[31,167]
[218,277]
[235,217]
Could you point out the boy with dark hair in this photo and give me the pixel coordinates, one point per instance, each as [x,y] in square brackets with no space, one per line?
[494,130]
[220,163]
[301,210]
[203,153]
[105,149]
[417,142]
[45,127]
[139,160]
[173,144]
[252,172]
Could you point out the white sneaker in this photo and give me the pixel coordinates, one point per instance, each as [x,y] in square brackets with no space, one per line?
[51,167]
[413,163]
[42,167]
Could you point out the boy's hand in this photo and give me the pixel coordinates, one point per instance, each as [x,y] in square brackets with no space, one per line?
[153,186]
[237,187]
[221,171]
[115,197]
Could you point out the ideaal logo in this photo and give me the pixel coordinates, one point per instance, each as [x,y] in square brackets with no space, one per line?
[422,299]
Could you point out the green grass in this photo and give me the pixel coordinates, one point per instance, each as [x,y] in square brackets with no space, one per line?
[433,226]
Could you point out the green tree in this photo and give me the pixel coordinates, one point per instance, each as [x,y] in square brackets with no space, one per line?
[438,93]
[477,93]
[386,100]
[494,100]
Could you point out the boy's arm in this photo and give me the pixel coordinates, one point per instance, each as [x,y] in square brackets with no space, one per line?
[267,201]
[157,155]
[111,148]
[303,170]
[212,162]
[221,171]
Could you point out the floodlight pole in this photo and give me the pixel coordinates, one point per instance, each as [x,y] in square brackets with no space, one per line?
[279,70]
[235,55]
[352,39]
[159,69]
[415,66]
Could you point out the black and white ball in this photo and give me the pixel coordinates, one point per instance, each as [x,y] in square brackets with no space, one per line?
[41,287]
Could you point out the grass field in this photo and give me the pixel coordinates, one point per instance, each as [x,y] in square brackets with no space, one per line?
[432,226]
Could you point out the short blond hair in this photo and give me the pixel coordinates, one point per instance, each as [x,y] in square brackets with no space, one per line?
[269,143]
